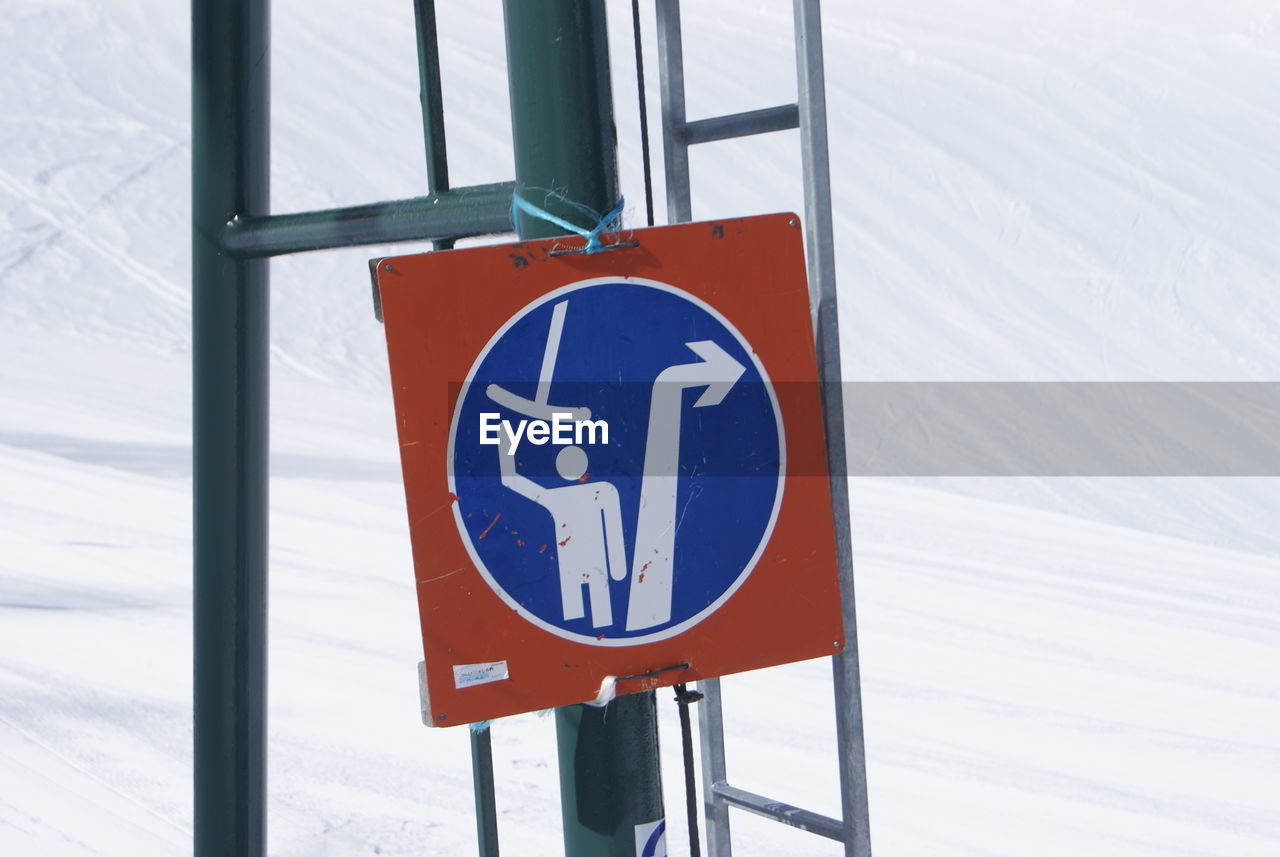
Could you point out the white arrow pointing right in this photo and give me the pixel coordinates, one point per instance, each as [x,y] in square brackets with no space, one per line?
[653,563]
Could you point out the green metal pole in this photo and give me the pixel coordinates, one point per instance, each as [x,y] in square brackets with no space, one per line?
[229,132]
[432,97]
[610,781]
[562,125]
[482,785]
[561,107]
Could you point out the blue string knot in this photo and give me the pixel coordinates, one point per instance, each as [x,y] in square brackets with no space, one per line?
[603,222]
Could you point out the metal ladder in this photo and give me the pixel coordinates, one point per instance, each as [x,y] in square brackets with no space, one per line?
[809,115]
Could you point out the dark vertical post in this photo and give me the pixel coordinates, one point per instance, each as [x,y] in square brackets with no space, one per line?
[432,96]
[433,138]
[562,124]
[229,131]
[482,784]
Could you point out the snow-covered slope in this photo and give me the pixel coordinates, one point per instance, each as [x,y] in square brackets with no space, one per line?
[1042,191]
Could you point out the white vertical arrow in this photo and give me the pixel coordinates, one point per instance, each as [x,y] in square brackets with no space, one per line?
[653,562]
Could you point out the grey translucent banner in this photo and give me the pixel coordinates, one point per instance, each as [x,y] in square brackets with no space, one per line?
[1063,429]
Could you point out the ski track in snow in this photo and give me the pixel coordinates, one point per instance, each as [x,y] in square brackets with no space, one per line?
[1055,191]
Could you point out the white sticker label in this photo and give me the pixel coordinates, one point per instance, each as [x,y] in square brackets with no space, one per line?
[465,675]
[651,839]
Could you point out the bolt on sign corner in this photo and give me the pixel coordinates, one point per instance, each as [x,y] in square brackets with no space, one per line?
[613,463]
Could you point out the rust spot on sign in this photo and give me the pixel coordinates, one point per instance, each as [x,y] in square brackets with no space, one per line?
[491,523]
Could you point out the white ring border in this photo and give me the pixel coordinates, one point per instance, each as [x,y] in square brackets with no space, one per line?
[674,630]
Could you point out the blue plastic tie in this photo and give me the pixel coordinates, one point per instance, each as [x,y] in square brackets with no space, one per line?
[593,245]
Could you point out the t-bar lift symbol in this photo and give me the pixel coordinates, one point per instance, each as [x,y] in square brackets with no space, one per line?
[587,515]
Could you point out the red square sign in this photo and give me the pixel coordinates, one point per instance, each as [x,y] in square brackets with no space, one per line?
[614,463]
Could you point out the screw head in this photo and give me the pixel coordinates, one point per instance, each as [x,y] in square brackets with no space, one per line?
[387,267]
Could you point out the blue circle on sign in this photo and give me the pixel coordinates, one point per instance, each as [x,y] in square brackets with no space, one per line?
[617,455]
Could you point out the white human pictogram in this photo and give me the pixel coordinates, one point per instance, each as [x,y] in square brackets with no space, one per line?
[588,525]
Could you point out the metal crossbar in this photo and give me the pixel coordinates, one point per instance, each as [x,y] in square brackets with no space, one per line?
[443,216]
[782,118]
[808,114]
[792,816]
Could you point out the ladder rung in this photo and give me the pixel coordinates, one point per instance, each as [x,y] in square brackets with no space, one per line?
[741,124]
[790,815]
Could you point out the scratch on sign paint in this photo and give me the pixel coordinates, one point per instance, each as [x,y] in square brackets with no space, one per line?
[491,523]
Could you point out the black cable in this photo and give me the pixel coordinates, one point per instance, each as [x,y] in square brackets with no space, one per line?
[683,698]
[644,113]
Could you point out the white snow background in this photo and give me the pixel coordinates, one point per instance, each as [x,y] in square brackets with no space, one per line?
[1047,190]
